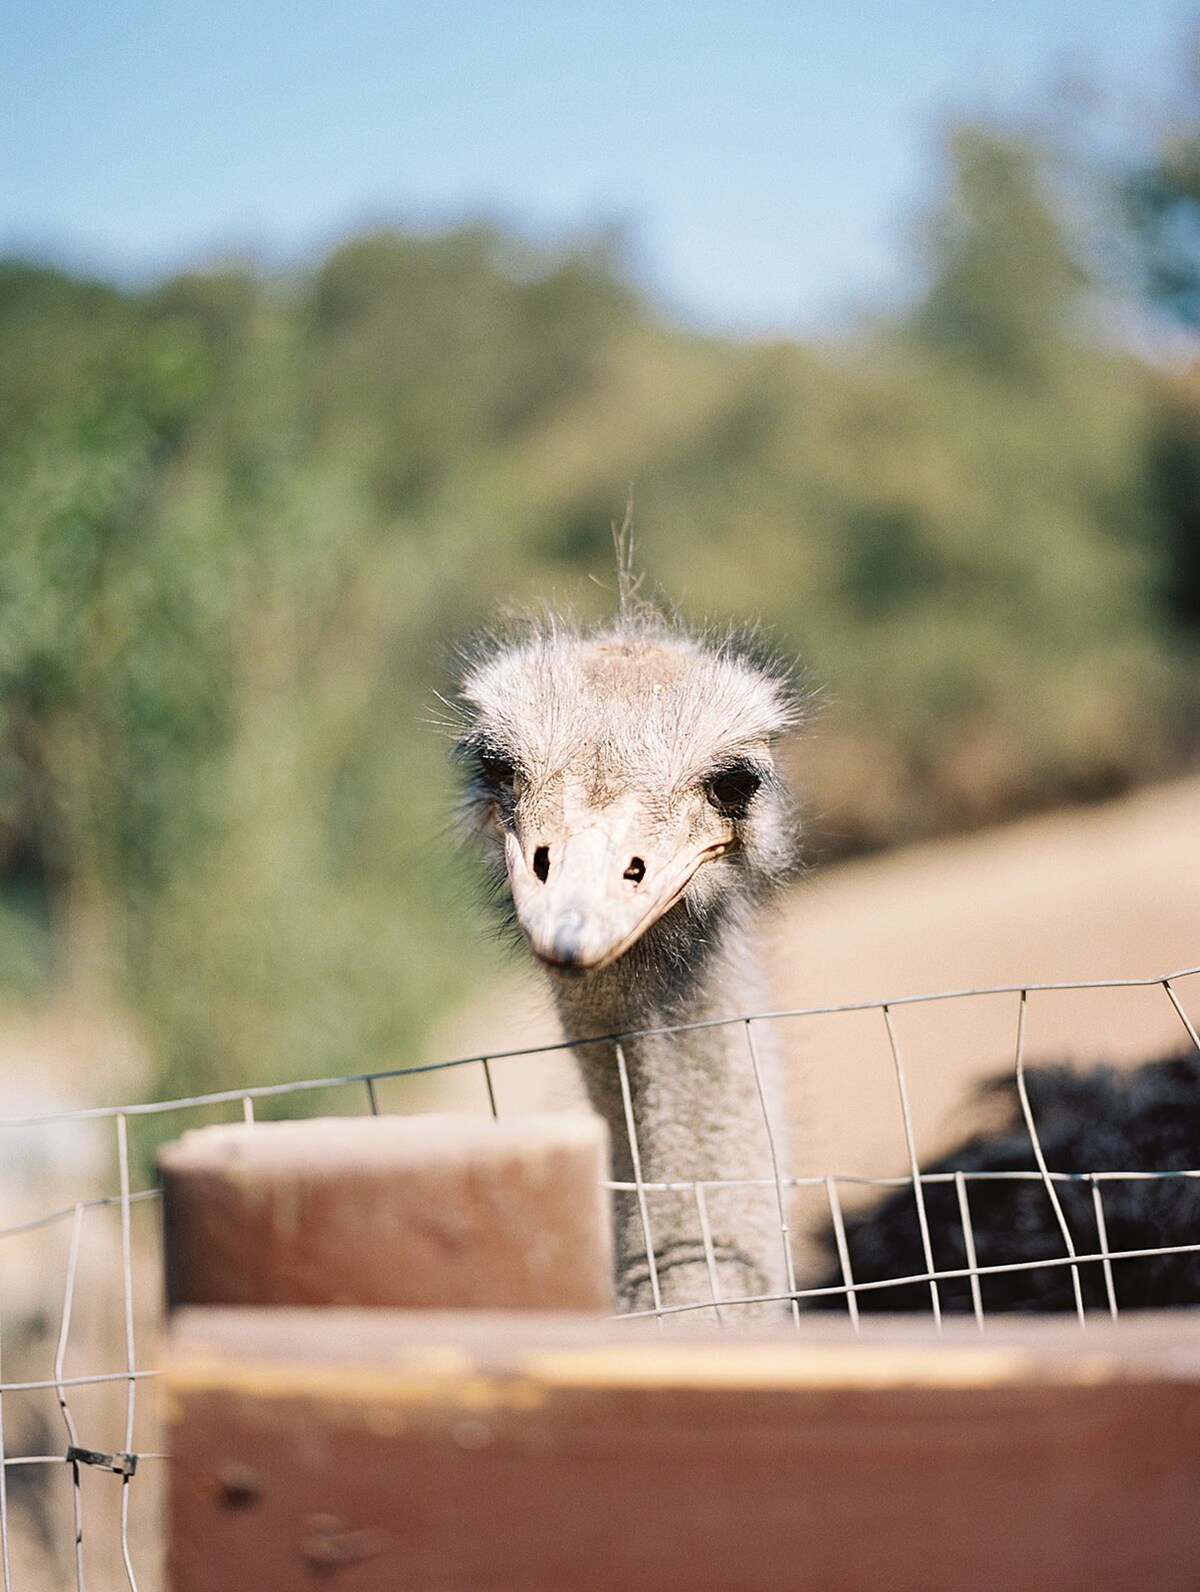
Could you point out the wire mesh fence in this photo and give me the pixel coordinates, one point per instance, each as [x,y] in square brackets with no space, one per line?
[80,1257]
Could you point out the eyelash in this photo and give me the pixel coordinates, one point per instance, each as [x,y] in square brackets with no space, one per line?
[731,790]
[497,773]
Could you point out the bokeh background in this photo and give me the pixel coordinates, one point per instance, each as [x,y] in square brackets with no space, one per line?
[326,330]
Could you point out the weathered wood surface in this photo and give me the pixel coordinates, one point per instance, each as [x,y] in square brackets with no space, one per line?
[433,1211]
[480,1452]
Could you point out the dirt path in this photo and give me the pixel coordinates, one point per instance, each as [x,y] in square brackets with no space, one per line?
[1104,892]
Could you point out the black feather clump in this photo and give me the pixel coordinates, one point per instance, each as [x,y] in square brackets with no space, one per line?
[1145,1119]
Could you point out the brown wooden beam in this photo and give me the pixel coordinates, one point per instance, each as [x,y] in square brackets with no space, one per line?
[377,1450]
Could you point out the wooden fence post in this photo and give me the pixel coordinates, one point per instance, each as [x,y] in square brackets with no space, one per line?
[419,1211]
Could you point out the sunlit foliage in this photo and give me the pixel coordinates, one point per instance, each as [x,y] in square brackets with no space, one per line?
[244,518]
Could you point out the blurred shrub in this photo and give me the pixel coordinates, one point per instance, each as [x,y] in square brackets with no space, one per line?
[242,521]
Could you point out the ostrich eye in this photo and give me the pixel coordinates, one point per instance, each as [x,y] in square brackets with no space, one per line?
[498,773]
[731,790]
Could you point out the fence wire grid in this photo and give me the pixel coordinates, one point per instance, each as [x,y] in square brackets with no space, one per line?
[81,1288]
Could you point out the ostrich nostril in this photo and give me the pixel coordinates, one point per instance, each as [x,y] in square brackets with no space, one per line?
[541,863]
[636,871]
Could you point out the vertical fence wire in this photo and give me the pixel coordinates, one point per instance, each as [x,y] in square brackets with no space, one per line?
[964,1215]
[636,1157]
[784,1230]
[710,1257]
[914,1169]
[843,1249]
[1106,1259]
[130,1359]
[60,1356]
[248,1108]
[1183,1016]
[372,1102]
[487,1078]
[1039,1157]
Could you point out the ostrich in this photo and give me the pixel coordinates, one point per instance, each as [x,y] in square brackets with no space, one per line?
[1102,1120]
[624,783]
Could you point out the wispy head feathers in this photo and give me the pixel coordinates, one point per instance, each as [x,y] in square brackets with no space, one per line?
[642,709]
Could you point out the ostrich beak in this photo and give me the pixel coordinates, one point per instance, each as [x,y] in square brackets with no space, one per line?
[583,900]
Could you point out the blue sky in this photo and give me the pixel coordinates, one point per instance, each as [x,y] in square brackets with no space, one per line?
[763,156]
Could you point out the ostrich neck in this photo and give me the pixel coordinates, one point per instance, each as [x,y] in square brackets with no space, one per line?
[689,1090]
[697,1111]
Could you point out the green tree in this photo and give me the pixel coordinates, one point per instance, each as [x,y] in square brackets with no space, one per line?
[1161,193]
[1004,284]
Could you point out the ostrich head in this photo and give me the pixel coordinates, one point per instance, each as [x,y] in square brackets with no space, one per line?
[625,784]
